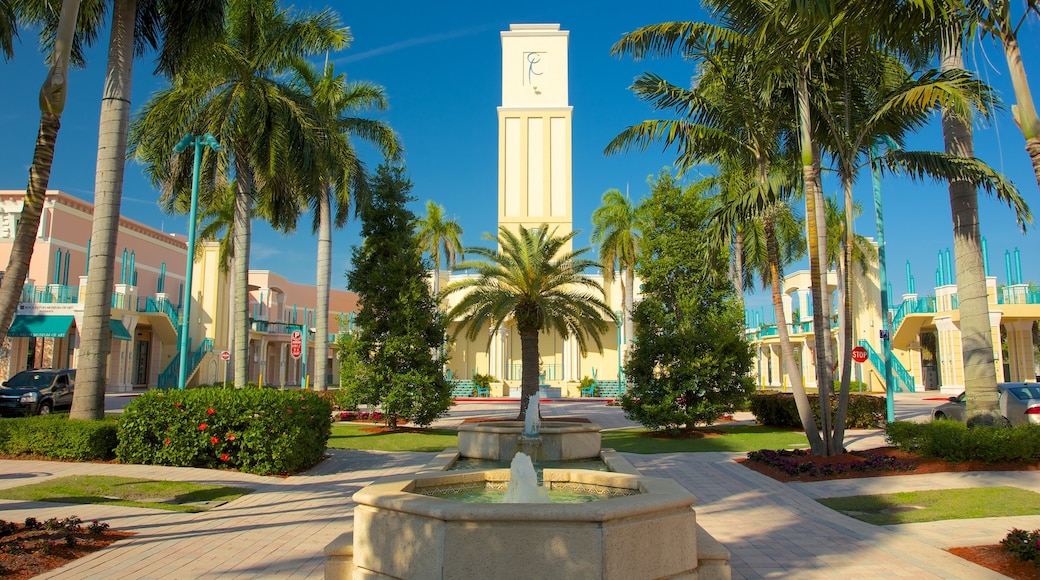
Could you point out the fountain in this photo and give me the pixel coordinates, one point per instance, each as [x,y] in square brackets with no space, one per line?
[637,527]
[549,440]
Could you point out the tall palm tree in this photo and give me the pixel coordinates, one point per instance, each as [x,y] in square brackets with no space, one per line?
[171,26]
[52,104]
[233,88]
[341,175]
[439,235]
[734,112]
[534,282]
[616,231]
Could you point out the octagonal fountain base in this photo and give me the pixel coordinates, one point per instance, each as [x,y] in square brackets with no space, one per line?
[650,533]
[557,440]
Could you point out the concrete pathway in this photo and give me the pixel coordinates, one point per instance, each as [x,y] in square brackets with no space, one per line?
[773,530]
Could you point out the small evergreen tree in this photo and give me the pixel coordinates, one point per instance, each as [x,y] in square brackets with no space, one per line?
[390,360]
[690,362]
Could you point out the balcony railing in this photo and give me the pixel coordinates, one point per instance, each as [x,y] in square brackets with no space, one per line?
[50,294]
[919,305]
[1018,295]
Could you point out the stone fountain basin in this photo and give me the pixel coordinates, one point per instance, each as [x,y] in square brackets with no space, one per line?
[559,440]
[399,533]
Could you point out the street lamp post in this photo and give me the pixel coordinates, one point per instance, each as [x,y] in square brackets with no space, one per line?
[199,142]
[886,339]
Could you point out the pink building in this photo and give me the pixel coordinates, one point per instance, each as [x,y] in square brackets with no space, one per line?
[147,299]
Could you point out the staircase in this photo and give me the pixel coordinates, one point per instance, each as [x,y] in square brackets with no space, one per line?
[609,389]
[904,381]
[168,377]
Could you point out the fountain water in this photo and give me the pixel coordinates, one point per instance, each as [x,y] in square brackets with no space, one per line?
[532,422]
[523,482]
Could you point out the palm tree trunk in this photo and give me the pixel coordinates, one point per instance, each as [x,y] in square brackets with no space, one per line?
[29,221]
[243,231]
[96,339]
[813,206]
[52,103]
[529,368]
[321,324]
[980,377]
[786,350]
[826,309]
[1025,115]
[837,439]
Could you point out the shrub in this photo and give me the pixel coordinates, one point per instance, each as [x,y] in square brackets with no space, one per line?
[260,431]
[58,437]
[956,442]
[780,410]
[483,380]
[1023,545]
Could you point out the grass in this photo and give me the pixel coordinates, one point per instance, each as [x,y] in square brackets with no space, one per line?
[735,438]
[177,496]
[353,436]
[935,505]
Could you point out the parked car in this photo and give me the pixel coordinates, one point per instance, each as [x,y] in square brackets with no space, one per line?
[1020,402]
[953,410]
[37,392]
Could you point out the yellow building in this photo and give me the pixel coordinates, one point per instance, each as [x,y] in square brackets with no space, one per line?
[926,339]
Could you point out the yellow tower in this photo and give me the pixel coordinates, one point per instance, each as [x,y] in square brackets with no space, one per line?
[534,129]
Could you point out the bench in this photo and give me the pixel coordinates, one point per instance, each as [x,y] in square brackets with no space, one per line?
[482,391]
[589,391]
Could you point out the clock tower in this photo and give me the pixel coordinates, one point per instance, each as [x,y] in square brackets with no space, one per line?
[534,129]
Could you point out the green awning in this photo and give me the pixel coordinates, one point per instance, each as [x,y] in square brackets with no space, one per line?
[119,332]
[40,326]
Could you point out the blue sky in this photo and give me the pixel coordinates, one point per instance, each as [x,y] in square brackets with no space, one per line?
[441,63]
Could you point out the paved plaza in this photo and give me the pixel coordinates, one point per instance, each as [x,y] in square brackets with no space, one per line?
[774,530]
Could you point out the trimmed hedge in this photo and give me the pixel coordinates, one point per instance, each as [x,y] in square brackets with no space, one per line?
[780,410]
[955,441]
[58,437]
[259,431]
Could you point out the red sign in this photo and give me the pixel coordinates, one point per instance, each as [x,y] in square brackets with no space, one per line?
[859,354]
[296,344]
[225,355]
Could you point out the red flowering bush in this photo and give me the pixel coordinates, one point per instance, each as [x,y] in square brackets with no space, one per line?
[255,430]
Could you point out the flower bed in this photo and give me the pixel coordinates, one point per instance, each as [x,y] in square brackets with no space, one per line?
[798,463]
[373,416]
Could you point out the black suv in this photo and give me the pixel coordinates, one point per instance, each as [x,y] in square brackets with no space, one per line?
[37,392]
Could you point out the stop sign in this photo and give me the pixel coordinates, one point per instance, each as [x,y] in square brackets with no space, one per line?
[225,355]
[296,344]
[859,354]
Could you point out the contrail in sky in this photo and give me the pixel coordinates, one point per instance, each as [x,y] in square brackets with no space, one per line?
[414,42]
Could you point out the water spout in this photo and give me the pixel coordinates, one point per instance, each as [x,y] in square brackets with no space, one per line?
[532,422]
[523,482]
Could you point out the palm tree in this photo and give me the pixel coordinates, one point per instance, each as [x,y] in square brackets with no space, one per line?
[178,24]
[616,230]
[995,18]
[8,28]
[436,235]
[533,281]
[233,89]
[341,174]
[734,112]
[52,103]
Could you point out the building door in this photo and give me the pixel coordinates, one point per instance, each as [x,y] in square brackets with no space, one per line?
[141,363]
[30,353]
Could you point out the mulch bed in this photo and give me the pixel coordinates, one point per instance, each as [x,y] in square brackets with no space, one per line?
[996,558]
[920,464]
[28,553]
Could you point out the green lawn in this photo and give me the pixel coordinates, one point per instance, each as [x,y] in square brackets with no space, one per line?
[352,436]
[935,505]
[736,438]
[145,493]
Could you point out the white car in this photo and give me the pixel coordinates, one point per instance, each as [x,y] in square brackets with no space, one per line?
[1020,403]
